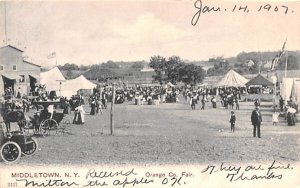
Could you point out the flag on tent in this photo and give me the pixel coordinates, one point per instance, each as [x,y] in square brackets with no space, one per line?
[278,56]
[52,55]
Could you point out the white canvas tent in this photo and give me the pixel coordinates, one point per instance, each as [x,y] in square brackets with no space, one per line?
[51,79]
[76,84]
[290,87]
[232,79]
[296,90]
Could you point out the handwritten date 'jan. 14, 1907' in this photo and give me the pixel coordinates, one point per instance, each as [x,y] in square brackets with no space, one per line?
[201,9]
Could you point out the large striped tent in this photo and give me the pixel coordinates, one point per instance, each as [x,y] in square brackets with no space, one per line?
[232,79]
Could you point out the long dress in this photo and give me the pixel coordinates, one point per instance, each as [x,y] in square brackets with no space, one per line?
[79,115]
[93,108]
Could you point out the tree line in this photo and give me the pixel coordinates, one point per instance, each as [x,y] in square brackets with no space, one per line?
[106,65]
[174,70]
[241,64]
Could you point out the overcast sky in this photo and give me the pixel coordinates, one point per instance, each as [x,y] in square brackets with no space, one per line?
[93,32]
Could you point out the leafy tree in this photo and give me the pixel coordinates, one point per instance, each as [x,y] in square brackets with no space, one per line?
[172,66]
[69,74]
[84,67]
[220,68]
[191,74]
[158,63]
[292,63]
[137,65]
[110,65]
[69,66]
[175,70]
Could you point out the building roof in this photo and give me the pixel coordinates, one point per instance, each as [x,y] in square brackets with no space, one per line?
[31,63]
[12,47]
[259,80]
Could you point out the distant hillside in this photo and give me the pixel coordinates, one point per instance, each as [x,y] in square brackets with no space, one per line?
[122,69]
[243,57]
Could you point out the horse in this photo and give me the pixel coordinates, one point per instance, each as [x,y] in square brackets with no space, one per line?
[14,116]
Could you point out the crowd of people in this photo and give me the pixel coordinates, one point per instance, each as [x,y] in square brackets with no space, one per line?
[228,98]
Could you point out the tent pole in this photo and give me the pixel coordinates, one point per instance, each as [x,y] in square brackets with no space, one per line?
[112,110]
[286,59]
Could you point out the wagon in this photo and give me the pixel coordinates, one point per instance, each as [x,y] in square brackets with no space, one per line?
[15,144]
[47,125]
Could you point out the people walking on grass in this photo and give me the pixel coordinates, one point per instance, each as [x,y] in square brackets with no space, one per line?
[93,107]
[214,102]
[237,103]
[281,102]
[256,102]
[193,101]
[232,121]
[225,101]
[275,116]
[203,103]
[256,120]
[79,114]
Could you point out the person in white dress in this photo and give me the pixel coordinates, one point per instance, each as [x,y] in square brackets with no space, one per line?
[79,115]
[275,117]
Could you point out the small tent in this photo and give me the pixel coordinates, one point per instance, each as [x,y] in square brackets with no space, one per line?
[52,79]
[232,79]
[77,84]
[290,87]
[259,80]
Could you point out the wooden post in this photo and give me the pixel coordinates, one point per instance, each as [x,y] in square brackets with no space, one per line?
[112,110]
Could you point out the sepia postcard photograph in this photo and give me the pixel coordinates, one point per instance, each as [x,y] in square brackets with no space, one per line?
[150,93]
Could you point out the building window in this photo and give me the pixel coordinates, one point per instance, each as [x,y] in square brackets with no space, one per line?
[22,79]
[1,67]
[14,67]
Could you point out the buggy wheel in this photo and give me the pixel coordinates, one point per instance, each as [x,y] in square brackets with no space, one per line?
[10,152]
[44,128]
[49,127]
[29,149]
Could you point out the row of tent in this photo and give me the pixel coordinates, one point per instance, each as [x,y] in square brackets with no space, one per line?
[55,81]
[234,79]
[289,88]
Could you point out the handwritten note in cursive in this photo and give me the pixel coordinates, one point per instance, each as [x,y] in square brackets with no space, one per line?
[98,178]
[250,172]
[242,7]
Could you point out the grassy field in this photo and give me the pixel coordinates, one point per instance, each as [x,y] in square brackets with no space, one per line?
[169,134]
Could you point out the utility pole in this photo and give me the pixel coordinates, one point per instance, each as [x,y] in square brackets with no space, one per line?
[112,110]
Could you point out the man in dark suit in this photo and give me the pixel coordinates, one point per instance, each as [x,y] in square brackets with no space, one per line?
[256,120]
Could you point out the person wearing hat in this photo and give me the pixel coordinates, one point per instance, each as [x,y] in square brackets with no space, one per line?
[193,101]
[232,121]
[93,106]
[256,120]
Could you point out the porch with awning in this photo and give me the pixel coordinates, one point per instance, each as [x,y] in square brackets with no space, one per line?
[11,76]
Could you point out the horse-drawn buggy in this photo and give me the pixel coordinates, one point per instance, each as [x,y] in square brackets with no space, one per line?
[47,121]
